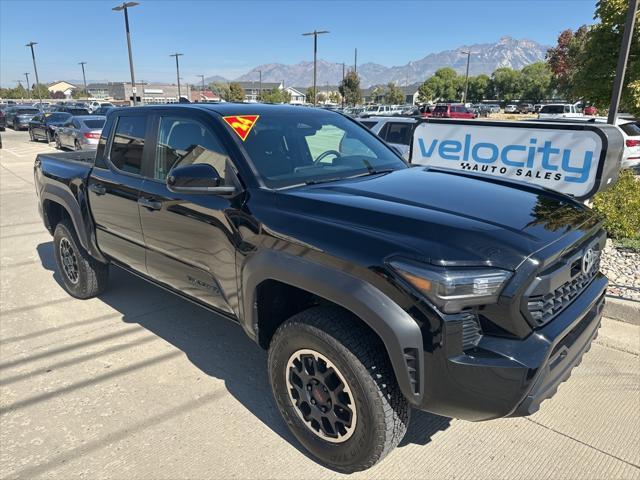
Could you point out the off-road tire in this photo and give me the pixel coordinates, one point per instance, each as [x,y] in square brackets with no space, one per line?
[92,275]
[382,411]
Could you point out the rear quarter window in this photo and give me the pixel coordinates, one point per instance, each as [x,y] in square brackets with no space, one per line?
[369,125]
[632,129]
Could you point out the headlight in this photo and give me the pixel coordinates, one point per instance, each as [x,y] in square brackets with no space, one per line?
[452,289]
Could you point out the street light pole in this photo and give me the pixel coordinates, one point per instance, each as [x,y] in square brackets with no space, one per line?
[177,70]
[35,69]
[260,85]
[355,61]
[466,77]
[125,7]
[343,89]
[315,34]
[202,79]
[26,74]
[622,61]
[84,78]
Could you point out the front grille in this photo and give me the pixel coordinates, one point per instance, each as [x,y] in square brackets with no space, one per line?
[543,308]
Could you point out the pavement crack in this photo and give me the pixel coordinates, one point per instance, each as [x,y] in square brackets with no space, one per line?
[582,443]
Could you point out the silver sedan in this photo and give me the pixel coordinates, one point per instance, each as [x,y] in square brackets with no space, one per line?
[81,132]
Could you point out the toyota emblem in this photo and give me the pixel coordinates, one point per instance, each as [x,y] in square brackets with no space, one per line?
[589,260]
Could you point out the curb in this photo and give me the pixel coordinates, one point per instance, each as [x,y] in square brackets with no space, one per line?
[627,311]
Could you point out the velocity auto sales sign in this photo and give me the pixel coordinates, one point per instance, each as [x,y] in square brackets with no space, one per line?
[562,159]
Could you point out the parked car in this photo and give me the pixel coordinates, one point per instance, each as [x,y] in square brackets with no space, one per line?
[537,107]
[396,131]
[376,288]
[411,111]
[102,110]
[631,132]
[590,110]
[525,108]
[377,110]
[80,132]
[3,121]
[427,110]
[494,108]
[559,110]
[511,108]
[95,105]
[452,110]
[483,110]
[43,126]
[72,110]
[20,116]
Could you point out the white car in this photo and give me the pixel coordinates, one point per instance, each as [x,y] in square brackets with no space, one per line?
[396,131]
[559,110]
[631,132]
[93,106]
[511,109]
[377,110]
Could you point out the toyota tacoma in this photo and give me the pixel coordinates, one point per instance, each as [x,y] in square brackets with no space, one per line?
[377,287]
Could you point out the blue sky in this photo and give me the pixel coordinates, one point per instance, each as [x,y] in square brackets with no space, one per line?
[229,38]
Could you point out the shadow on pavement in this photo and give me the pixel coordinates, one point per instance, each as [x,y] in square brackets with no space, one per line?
[216,346]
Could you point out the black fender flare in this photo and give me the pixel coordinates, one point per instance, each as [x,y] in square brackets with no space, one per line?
[80,217]
[398,331]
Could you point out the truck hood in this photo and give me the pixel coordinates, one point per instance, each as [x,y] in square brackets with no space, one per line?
[441,217]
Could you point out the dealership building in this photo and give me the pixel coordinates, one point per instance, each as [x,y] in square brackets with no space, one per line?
[147,93]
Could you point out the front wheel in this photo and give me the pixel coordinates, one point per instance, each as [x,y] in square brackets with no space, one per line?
[336,389]
[82,275]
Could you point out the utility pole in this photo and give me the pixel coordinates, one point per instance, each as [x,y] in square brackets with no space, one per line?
[355,61]
[26,74]
[343,89]
[622,61]
[177,71]
[84,78]
[125,7]
[35,69]
[260,85]
[202,79]
[466,77]
[315,34]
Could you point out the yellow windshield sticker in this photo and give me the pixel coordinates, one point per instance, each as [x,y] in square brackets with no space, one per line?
[242,124]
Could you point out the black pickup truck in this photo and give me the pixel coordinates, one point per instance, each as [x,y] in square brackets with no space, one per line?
[377,287]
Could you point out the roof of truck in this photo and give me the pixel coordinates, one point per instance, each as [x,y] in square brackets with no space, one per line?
[229,108]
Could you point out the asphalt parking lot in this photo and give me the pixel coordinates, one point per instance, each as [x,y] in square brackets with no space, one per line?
[141,384]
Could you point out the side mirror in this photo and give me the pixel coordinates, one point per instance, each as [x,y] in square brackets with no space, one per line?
[196,178]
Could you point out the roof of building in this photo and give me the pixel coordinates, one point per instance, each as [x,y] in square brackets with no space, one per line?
[256,84]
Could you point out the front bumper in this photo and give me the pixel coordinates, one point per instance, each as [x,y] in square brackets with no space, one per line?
[506,376]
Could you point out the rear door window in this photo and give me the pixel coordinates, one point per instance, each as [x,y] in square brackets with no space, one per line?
[398,133]
[128,144]
[369,125]
[632,129]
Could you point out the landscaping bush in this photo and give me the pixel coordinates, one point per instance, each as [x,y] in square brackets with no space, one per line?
[620,207]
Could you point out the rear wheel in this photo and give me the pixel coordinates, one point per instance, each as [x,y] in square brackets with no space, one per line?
[336,390]
[82,275]
[76,145]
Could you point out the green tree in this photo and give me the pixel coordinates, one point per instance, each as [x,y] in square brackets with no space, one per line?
[276,96]
[375,94]
[564,57]
[334,97]
[478,88]
[221,89]
[536,81]
[321,97]
[506,84]
[78,93]
[445,84]
[350,88]
[311,95]
[40,91]
[596,60]
[236,92]
[393,95]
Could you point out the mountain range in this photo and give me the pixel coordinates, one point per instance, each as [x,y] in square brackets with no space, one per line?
[485,58]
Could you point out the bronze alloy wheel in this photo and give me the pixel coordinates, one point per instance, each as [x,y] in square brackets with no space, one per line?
[321,396]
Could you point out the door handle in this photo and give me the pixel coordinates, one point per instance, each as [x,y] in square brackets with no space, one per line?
[98,189]
[150,203]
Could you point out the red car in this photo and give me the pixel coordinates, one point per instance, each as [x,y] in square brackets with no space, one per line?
[452,110]
[590,110]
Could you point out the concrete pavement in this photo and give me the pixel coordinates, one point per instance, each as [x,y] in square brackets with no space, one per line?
[139,384]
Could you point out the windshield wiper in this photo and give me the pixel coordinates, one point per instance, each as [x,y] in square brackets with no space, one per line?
[372,171]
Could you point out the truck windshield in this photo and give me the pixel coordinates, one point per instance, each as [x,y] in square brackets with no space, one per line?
[314,146]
